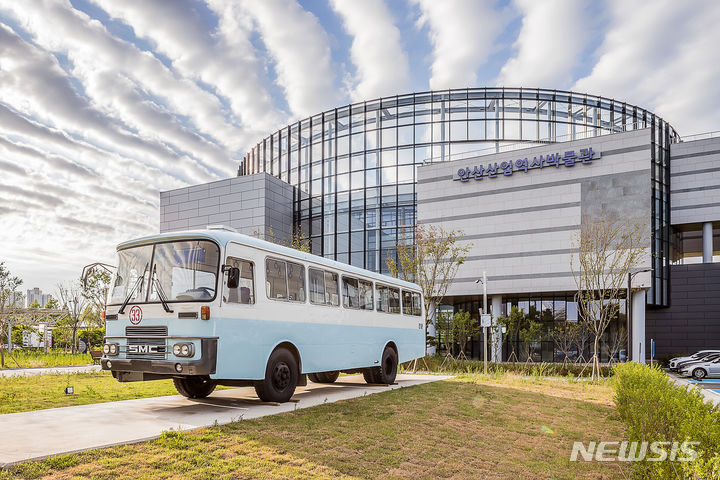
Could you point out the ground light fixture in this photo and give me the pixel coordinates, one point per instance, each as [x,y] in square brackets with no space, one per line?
[69,390]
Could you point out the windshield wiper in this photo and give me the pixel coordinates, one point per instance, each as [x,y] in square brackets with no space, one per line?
[160,291]
[132,292]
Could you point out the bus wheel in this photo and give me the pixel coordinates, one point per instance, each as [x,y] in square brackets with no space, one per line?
[281,377]
[324,377]
[369,375]
[386,372]
[194,387]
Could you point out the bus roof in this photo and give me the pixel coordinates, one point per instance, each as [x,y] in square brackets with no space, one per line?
[222,237]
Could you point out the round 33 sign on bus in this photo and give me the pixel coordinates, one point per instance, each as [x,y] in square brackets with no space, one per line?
[135,315]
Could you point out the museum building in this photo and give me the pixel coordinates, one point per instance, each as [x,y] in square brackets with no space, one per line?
[517,171]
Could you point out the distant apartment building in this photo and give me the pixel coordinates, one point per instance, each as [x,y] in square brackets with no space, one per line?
[36,294]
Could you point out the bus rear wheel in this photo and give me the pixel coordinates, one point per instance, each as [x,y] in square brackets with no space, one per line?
[386,372]
[324,377]
[194,387]
[281,377]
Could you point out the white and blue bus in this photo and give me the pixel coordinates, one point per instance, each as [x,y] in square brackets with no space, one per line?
[216,307]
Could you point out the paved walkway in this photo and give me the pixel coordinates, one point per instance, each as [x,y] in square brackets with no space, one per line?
[24,372]
[42,433]
[710,388]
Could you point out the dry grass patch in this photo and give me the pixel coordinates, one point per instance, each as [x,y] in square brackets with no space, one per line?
[471,427]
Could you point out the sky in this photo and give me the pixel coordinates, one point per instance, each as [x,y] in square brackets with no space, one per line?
[105,103]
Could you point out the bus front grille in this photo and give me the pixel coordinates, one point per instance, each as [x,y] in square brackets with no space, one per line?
[140,343]
[159,331]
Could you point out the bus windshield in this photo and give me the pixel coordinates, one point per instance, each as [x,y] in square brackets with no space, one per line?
[181,271]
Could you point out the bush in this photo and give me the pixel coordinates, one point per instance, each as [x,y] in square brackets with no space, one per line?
[655,409]
[438,363]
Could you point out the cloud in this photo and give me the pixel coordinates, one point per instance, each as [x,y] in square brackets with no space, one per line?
[463,35]
[7,167]
[301,50]
[49,201]
[223,58]
[553,36]
[84,225]
[662,59]
[382,64]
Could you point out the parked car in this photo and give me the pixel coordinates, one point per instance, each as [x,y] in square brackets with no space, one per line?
[703,369]
[696,356]
[687,363]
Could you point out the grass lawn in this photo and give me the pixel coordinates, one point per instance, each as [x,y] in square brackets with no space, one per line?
[493,427]
[33,358]
[21,394]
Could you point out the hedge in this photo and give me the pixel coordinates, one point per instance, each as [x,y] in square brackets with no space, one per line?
[654,408]
[438,363]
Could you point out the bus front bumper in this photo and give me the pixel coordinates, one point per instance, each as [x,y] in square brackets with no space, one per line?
[137,369]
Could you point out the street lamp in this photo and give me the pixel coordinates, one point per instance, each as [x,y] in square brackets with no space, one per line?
[628,308]
[483,280]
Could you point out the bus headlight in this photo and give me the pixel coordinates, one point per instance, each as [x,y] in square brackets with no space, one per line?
[111,349]
[183,349]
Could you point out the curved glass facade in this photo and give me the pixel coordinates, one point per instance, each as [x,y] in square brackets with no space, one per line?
[355,166]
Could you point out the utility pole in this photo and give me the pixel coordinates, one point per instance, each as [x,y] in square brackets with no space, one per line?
[483,317]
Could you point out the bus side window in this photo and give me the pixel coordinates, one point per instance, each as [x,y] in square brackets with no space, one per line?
[245,292]
[276,283]
[407,307]
[366,295]
[332,296]
[317,286]
[394,300]
[296,282]
[417,304]
[383,304]
[350,292]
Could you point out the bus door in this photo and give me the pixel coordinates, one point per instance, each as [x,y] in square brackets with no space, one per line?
[236,325]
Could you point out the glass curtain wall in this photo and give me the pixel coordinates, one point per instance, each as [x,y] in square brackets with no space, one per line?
[355,167]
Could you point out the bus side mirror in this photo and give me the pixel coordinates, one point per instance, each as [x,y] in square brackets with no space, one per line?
[233,277]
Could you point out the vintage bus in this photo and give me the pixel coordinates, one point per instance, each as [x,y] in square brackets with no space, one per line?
[215,307]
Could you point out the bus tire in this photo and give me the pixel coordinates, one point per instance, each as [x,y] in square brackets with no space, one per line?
[369,375]
[194,387]
[386,372]
[281,376]
[324,377]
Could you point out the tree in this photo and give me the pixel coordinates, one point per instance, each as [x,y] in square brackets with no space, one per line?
[35,304]
[72,298]
[298,240]
[431,261]
[564,335]
[617,340]
[52,303]
[8,293]
[512,323]
[530,332]
[444,329]
[608,249]
[95,287]
[464,328]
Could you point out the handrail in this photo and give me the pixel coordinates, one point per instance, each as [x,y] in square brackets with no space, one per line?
[700,136]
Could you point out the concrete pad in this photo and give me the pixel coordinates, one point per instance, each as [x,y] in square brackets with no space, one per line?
[43,433]
[29,372]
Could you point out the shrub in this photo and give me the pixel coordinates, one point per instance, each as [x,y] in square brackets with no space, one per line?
[655,409]
[439,363]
